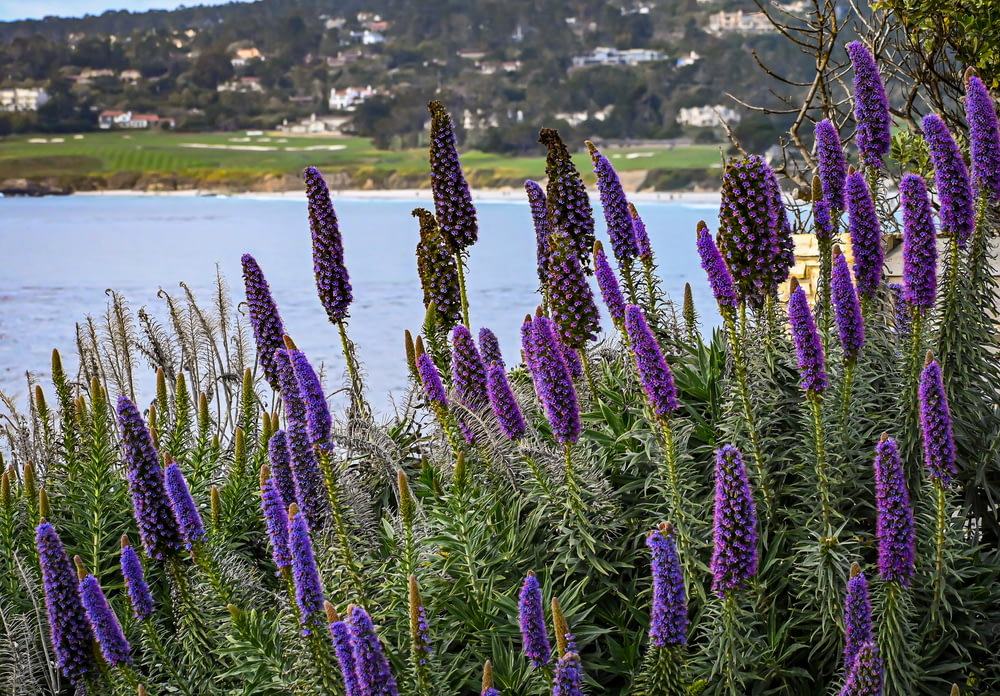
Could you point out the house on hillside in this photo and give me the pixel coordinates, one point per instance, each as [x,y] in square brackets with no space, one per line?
[604,55]
[347,99]
[126,119]
[707,116]
[244,56]
[22,98]
[242,84]
[739,22]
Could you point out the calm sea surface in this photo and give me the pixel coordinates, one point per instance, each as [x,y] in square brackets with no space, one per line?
[59,255]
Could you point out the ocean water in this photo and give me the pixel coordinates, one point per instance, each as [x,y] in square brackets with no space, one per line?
[58,256]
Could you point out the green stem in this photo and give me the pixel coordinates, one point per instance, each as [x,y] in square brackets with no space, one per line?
[647,271]
[730,650]
[358,402]
[156,645]
[845,399]
[678,515]
[627,275]
[822,475]
[460,263]
[572,485]
[823,306]
[340,524]
[588,373]
[940,538]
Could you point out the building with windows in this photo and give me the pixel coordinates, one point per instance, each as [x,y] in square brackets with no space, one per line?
[22,98]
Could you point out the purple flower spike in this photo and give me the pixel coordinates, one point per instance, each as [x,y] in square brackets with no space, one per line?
[808,347]
[452,200]
[616,212]
[846,308]
[553,381]
[569,676]
[782,241]
[951,179]
[570,298]
[715,267]
[429,377]
[275,520]
[857,617]
[871,107]
[468,371]
[308,589]
[644,249]
[832,164]
[281,467]
[607,281]
[150,504]
[668,623]
[135,583]
[313,398]
[532,618]
[897,541]
[540,218]
[866,235]
[734,555]
[864,678]
[984,138]
[72,636]
[901,311]
[114,646]
[654,373]
[438,270]
[185,511]
[332,282]
[935,425]
[374,674]
[822,222]
[264,318]
[570,213]
[505,406]
[919,244]
[489,348]
[340,632]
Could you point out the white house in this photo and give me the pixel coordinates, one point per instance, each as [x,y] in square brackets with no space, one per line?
[604,55]
[739,22]
[22,98]
[707,116]
[348,99]
[126,119]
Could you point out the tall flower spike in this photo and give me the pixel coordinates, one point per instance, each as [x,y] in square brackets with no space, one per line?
[935,424]
[373,670]
[644,250]
[984,138]
[654,373]
[616,212]
[343,648]
[532,618]
[668,622]
[308,589]
[264,318]
[468,371]
[822,222]
[808,347]
[488,688]
[569,676]
[719,277]
[275,519]
[832,164]
[782,240]
[865,676]
[281,467]
[897,541]
[108,631]
[540,218]
[429,377]
[871,107]
[438,271]
[866,235]
[318,417]
[138,592]
[857,616]
[185,511]
[734,554]
[569,209]
[332,281]
[571,301]
[607,281]
[901,311]
[151,507]
[919,244]
[553,381]
[419,626]
[452,200]
[951,179]
[72,636]
[505,406]
[489,348]
[846,308]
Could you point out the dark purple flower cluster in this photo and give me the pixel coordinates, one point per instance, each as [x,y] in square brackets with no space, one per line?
[308,589]
[668,622]
[866,235]
[505,406]
[857,616]
[151,507]
[846,308]
[281,467]
[467,369]
[452,200]
[644,250]
[919,244]
[871,107]
[185,511]
[489,348]
[901,311]
[715,267]
[570,213]
[275,520]
[264,318]
[822,222]
[569,676]
[984,138]
[372,668]
[553,382]
[654,373]
[734,554]
[332,282]
[783,241]
[571,300]
[951,179]
[935,425]
[540,218]
[832,164]
[429,377]
[897,541]
[344,649]
[114,647]
[864,677]
[532,619]
[438,271]
[318,420]
[616,212]
[72,636]
[808,347]
[607,282]
[138,592]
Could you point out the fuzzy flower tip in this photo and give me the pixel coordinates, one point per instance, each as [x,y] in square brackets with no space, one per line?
[935,425]
[734,555]
[468,370]
[540,218]
[489,348]
[871,107]
[570,296]
[332,282]
[616,212]
[343,647]
[318,417]
[308,589]
[71,633]
[669,620]
[866,235]
[264,318]
[607,282]
[114,647]
[643,247]
[715,267]
[569,209]
[654,373]
[846,309]
[864,678]
[532,619]
[832,164]
[897,542]
[281,467]
[151,506]
[951,179]
[568,680]
[808,347]
[452,200]
[857,618]
[505,406]
[429,377]
[373,671]
[276,522]
[438,270]
[138,592]
[919,244]
[552,378]
[984,138]
[185,511]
